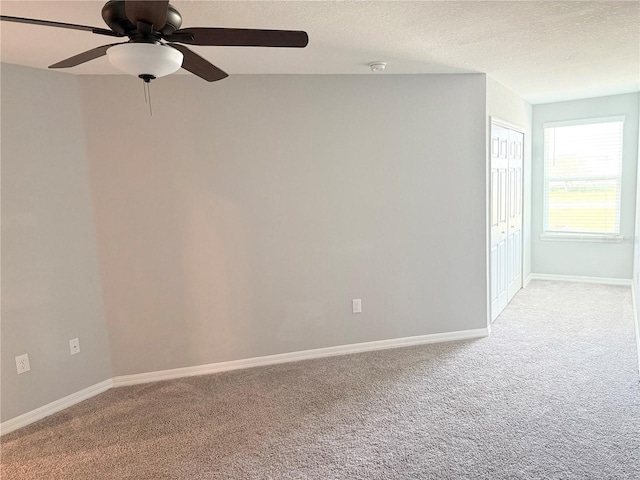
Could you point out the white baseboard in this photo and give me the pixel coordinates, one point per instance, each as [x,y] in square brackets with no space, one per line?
[527,280]
[121,381]
[53,407]
[296,356]
[580,279]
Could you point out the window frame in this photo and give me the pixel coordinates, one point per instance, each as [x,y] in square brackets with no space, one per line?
[609,237]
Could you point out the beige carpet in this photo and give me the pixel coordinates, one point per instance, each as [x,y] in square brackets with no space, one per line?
[553,394]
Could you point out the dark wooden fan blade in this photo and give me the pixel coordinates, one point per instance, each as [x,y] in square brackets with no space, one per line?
[197,65]
[47,23]
[149,11]
[83,57]
[240,37]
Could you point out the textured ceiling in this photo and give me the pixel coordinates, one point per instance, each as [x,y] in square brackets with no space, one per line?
[543,50]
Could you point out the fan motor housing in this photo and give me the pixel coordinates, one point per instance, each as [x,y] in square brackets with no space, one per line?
[114,15]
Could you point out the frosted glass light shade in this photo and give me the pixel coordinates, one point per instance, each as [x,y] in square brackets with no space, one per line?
[145,59]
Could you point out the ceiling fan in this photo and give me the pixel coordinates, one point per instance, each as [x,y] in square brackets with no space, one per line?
[156,45]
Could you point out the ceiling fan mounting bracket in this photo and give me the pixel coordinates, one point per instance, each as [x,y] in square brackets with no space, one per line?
[144,38]
[114,15]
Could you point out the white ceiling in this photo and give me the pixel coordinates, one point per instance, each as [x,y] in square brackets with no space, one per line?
[543,50]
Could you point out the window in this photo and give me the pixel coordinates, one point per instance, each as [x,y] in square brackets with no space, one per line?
[582,177]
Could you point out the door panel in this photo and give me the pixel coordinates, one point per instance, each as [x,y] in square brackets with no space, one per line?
[494,276]
[515,214]
[505,216]
[499,218]
[502,265]
[494,198]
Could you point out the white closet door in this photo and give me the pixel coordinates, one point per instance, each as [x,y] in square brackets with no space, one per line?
[505,255]
[499,216]
[514,232]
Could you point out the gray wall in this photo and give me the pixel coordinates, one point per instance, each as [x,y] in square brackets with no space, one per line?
[242,218]
[508,106]
[610,260]
[50,278]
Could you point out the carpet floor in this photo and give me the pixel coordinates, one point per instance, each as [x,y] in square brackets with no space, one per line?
[553,393]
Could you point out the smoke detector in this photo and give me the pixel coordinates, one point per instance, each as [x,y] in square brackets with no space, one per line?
[378,67]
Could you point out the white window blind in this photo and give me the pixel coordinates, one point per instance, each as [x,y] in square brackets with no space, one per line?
[582,176]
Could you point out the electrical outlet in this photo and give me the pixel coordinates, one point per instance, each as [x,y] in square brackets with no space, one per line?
[74,346]
[357,305]
[22,363]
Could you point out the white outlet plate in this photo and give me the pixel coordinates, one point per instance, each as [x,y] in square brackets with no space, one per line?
[74,346]
[22,363]
[357,305]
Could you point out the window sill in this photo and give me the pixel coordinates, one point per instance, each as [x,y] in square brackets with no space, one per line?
[581,237]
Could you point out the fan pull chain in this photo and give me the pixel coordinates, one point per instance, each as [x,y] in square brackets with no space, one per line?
[149,97]
[146,87]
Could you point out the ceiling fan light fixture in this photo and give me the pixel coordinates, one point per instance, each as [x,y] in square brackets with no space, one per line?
[146,59]
[155,46]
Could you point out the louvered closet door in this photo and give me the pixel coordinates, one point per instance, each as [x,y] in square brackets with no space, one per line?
[505,257]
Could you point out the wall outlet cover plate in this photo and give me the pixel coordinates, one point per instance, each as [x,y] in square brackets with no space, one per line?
[74,346]
[22,363]
[357,305]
